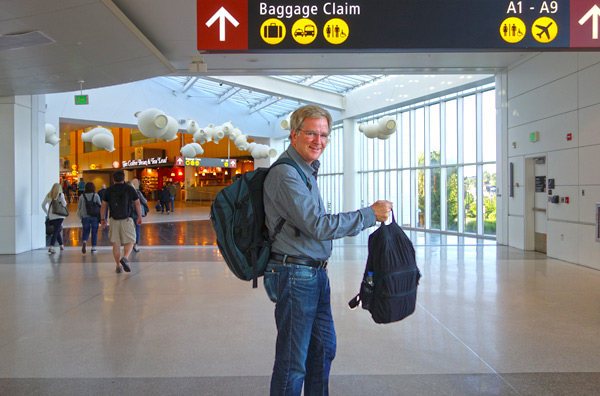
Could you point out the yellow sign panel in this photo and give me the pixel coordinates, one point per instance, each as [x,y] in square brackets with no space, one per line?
[304,31]
[336,31]
[544,29]
[512,30]
[272,31]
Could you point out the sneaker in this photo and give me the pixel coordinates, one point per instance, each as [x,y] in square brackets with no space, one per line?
[136,249]
[50,250]
[62,247]
[94,250]
[83,247]
[125,263]
[118,270]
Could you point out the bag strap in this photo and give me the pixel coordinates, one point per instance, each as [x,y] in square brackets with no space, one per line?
[292,163]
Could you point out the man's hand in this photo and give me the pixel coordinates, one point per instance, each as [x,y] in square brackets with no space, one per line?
[382,210]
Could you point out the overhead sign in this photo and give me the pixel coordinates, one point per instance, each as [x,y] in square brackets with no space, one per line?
[206,162]
[385,25]
[222,24]
[81,100]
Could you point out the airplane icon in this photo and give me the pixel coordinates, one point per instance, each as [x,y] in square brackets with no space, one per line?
[544,29]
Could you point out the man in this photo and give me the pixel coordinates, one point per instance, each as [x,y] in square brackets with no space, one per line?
[119,198]
[296,277]
[172,192]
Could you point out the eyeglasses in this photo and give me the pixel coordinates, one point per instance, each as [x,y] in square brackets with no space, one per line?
[314,134]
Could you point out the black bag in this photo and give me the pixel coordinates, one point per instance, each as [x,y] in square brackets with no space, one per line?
[119,203]
[238,217]
[158,207]
[389,286]
[91,207]
[49,227]
[57,208]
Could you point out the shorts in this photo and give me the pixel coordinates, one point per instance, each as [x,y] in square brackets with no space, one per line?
[121,231]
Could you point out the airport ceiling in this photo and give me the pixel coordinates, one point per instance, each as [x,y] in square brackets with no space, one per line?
[50,46]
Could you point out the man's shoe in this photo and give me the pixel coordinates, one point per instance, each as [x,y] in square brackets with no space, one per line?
[118,270]
[125,263]
[94,250]
[83,247]
[136,249]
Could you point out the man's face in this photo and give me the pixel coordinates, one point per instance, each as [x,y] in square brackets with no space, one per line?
[310,148]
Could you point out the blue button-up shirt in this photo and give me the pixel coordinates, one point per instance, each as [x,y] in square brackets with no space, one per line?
[287,196]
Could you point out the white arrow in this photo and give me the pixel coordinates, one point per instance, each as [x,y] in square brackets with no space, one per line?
[221,15]
[594,13]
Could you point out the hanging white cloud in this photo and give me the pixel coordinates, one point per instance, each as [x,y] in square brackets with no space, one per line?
[51,136]
[100,137]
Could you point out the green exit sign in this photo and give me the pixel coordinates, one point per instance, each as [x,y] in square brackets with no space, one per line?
[81,100]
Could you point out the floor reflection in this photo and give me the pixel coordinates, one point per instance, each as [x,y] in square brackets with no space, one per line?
[193,233]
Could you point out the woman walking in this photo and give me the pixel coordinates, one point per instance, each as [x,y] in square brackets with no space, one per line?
[135,183]
[56,220]
[89,201]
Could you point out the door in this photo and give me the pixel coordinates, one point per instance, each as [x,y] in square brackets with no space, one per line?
[540,204]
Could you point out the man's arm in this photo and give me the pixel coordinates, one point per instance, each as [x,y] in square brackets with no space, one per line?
[103,214]
[138,210]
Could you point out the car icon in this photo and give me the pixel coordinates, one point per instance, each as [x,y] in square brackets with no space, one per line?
[309,30]
[299,32]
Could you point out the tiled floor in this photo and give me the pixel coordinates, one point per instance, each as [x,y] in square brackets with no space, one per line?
[491,320]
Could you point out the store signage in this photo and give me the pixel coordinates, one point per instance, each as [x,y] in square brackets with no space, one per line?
[308,25]
[146,162]
[206,162]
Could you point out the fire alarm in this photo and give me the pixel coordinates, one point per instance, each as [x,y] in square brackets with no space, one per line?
[569,136]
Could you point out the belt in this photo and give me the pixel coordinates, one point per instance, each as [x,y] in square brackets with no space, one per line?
[299,260]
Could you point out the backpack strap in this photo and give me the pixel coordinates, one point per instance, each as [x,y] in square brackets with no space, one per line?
[293,163]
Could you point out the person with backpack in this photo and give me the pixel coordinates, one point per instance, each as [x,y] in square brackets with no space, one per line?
[88,210]
[296,277]
[121,199]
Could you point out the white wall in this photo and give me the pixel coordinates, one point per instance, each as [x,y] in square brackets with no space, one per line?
[556,94]
[24,170]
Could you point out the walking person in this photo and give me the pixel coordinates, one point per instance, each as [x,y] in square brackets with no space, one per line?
[89,201]
[55,219]
[296,277]
[80,187]
[165,198]
[173,192]
[122,200]
[135,183]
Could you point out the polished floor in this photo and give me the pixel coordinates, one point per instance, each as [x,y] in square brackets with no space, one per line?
[491,320]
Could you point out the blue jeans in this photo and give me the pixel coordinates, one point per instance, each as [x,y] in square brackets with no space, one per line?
[172,203]
[306,340]
[57,234]
[90,223]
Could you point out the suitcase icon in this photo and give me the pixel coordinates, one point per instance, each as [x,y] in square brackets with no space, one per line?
[272,31]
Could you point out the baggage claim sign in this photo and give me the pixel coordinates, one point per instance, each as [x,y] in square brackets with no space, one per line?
[388,25]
